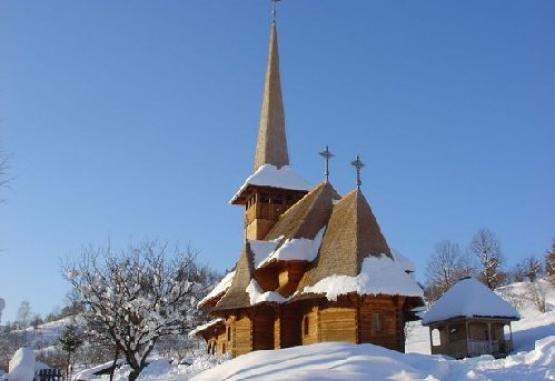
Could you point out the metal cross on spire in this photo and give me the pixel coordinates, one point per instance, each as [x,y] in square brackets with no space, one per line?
[274,10]
[327,155]
[358,164]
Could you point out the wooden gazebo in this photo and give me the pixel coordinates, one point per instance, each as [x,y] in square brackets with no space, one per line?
[470,320]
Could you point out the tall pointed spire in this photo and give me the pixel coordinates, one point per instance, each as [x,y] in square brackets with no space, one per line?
[271,146]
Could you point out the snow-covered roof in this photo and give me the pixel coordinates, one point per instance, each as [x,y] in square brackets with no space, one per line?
[403,261]
[202,327]
[219,289]
[261,250]
[379,275]
[258,295]
[296,249]
[472,299]
[270,176]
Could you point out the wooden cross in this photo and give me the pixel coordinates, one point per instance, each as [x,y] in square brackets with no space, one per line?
[274,10]
[327,155]
[358,164]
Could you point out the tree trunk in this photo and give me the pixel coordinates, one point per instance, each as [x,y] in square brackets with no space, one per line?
[114,363]
[134,374]
[68,376]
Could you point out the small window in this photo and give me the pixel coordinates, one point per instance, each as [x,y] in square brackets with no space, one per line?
[306,325]
[277,200]
[376,322]
[228,333]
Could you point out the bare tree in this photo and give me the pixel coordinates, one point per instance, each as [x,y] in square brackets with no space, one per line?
[446,265]
[24,314]
[550,263]
[137,296]
[487,249]
[533,268]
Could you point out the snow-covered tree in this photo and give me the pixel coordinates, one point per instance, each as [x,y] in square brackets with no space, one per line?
[137,296]
[70,340]
[445,266]
[487,249]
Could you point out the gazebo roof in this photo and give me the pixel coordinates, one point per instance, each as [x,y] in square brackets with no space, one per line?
[470,298]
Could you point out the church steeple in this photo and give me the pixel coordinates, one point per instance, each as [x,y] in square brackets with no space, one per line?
[271,146]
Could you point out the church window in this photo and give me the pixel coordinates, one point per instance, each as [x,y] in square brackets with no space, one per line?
[376,322]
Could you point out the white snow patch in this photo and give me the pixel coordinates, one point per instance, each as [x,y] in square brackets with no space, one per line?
[22,365]
[270,176]
[469,298]
[205,326]
[296,249]
[262,249]
[88,374]
[345,361]
[379,275]
[257,294]
[405,263]
[220,288]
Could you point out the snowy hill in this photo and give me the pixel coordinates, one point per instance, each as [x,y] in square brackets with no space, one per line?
[533,358]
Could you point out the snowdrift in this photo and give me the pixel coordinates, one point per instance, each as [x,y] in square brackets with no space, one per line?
[22,365]
[343,361]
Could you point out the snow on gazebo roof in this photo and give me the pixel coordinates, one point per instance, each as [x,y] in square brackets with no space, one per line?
[269,175]
[470,298]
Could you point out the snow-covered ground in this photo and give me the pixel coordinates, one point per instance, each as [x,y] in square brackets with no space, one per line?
[533,358]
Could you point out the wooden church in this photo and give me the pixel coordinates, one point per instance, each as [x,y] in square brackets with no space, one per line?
[314,266]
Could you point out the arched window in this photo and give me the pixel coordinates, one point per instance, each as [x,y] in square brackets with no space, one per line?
[376,322]
[306,325]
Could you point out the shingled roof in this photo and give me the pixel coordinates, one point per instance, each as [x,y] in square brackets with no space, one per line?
[351,235]
[237,296]
[307,216]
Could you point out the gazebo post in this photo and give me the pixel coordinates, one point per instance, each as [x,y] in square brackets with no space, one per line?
[489,338]
[511,332]
[466,333]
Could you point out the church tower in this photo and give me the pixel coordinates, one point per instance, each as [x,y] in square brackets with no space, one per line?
[274,186]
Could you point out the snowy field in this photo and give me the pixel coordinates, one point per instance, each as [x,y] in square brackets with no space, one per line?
[533,358]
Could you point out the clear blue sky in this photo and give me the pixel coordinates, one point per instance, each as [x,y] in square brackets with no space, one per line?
[138,119]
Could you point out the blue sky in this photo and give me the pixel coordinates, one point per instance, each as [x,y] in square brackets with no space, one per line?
[137,119]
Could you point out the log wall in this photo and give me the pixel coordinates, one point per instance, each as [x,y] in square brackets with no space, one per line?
[309,325]
[379,322]
[338,324]
[263,328]
[241,334]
